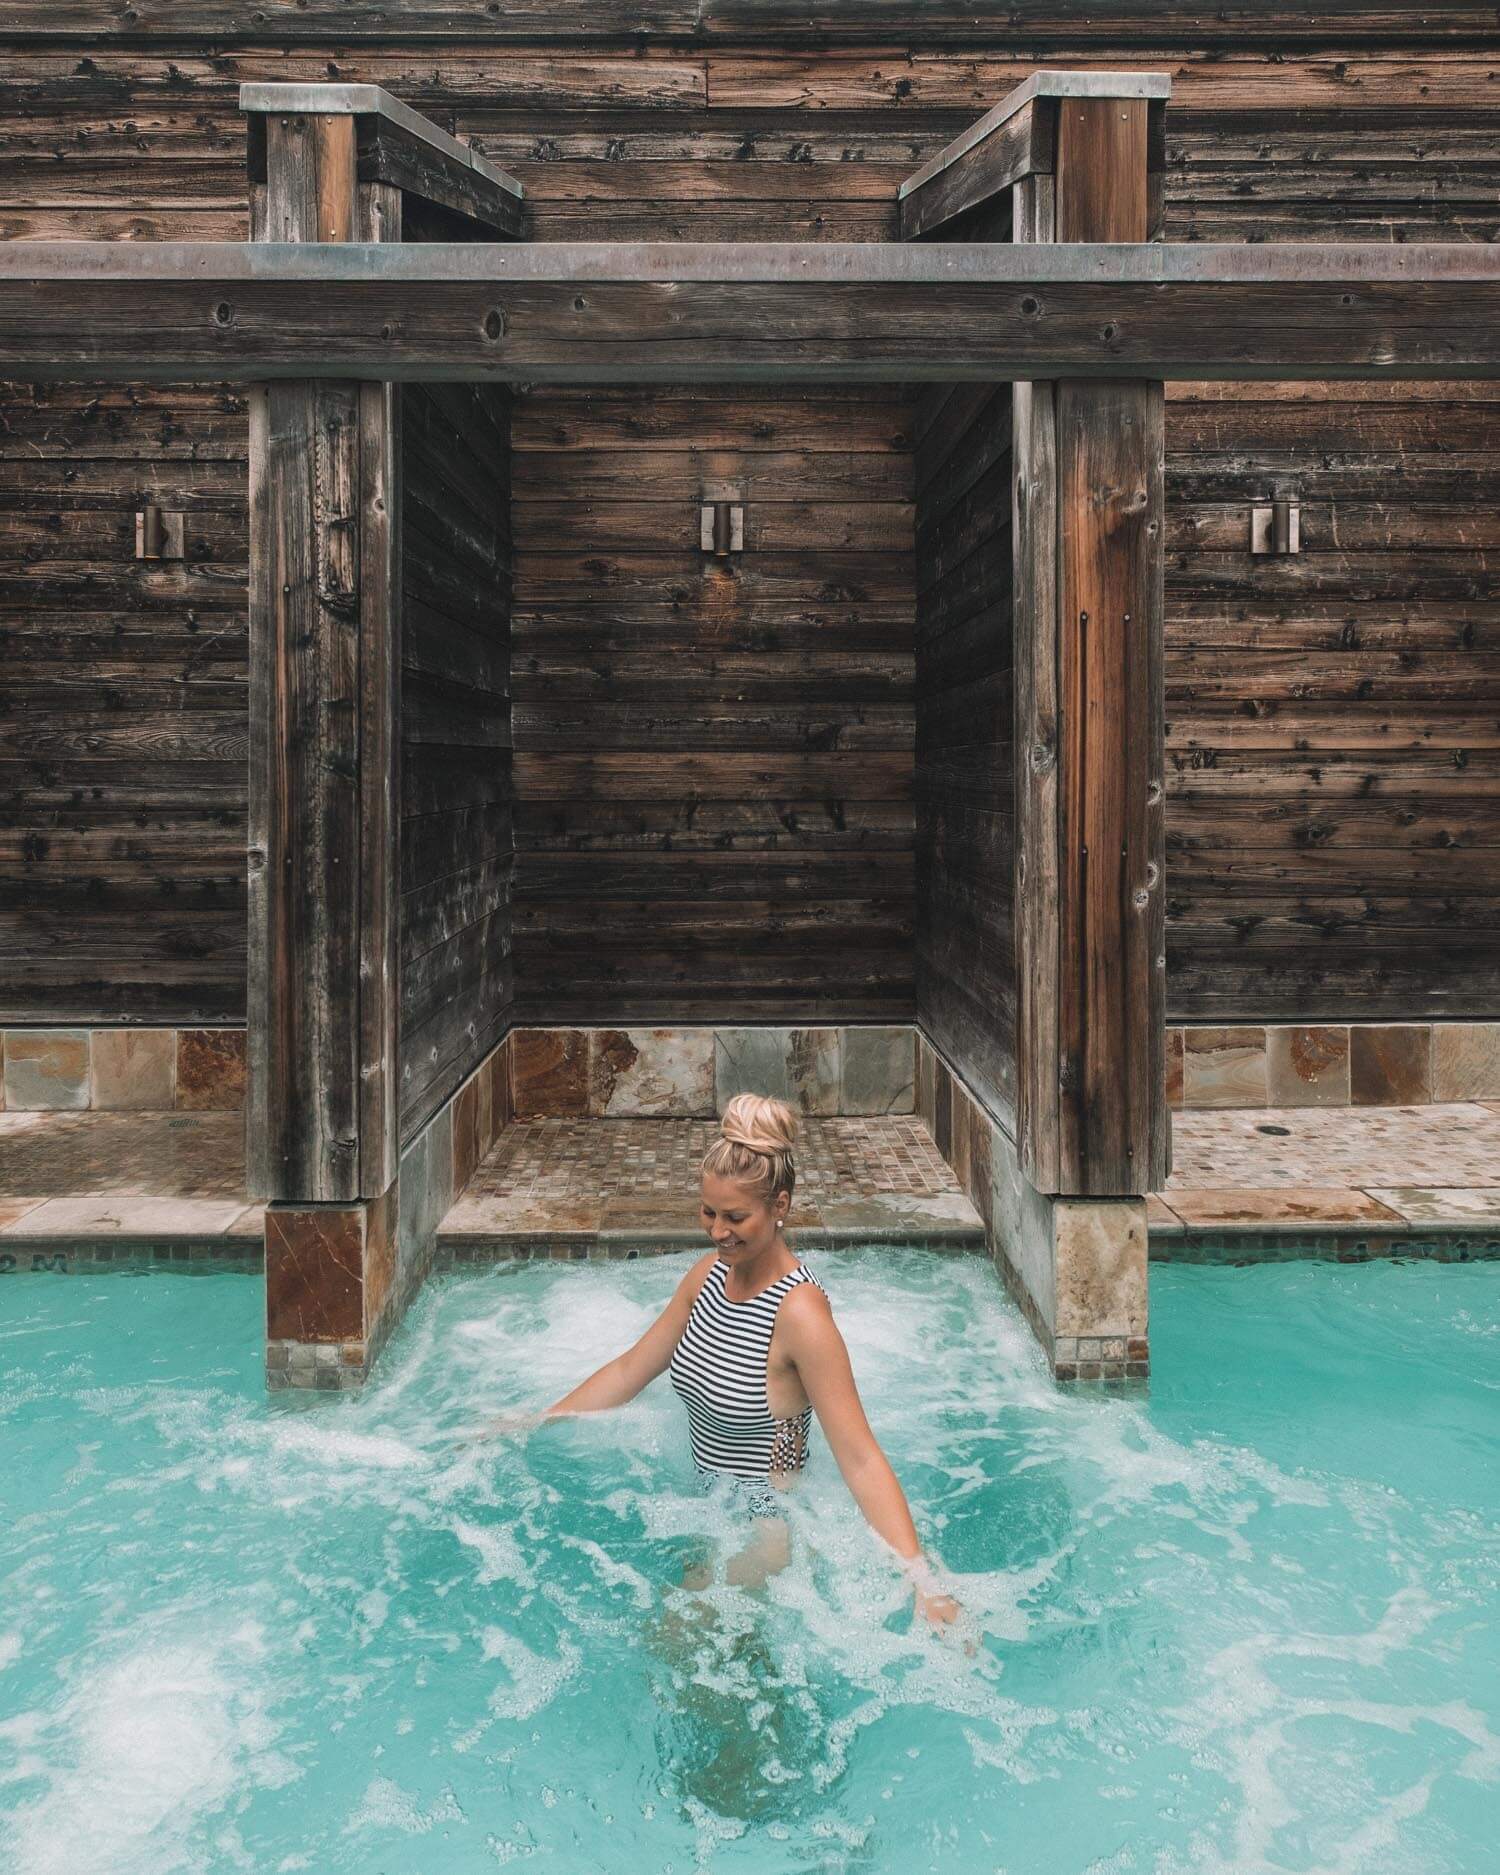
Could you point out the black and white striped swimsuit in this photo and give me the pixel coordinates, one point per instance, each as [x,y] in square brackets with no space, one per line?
[718,1370]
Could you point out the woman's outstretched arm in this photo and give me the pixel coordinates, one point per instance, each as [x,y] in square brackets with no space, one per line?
[619,1380]
[821,1358]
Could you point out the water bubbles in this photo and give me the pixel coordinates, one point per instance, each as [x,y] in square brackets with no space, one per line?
[1242,1621]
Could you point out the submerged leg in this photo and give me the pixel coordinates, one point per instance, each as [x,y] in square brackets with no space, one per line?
[766,1554]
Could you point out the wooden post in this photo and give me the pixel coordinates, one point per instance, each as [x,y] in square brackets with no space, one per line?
[344,1254]
[1091,1081]
[323,1003]
[324,606]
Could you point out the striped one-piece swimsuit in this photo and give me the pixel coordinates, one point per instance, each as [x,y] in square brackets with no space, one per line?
[718,1370]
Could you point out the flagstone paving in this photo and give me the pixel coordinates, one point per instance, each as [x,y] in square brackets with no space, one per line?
[1262,1181]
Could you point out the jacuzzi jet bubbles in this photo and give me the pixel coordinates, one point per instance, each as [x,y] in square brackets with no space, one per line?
[239,1636]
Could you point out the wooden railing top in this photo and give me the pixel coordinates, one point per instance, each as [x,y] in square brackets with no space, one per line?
[1156,85]
[319,100]
[964,193]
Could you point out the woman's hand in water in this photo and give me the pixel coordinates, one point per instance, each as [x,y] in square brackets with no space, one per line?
[517,1421]
[939,1609]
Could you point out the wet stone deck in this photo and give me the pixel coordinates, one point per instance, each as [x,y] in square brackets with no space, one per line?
[98,1190]
[600,1187]
[1274,1182]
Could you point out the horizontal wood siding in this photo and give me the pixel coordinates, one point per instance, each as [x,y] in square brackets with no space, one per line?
[965,782]
[123,707]
[1361,884]
[456,789]
[713,758]
[1277,141]
[1333,718]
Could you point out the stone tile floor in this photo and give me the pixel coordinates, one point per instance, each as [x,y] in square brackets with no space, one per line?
[603,1184]
[1346,1170]
[138,1177]
[176,1178]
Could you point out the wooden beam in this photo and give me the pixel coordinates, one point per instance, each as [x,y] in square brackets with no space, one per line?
[1101,170]
[967,175]
[311,194]
[1003,29]
[690,313]
[389,153]
[1091,1106]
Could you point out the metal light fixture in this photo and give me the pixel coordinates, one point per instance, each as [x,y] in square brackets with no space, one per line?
[1276,526]
[721,522]
[158,535]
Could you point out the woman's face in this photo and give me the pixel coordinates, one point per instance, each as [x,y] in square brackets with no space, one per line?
[739,1221]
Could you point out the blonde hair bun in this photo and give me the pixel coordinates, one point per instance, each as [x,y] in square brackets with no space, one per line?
[754,1146]
[761,1122]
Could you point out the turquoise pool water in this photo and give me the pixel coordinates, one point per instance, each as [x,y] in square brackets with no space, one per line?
[1245,1623]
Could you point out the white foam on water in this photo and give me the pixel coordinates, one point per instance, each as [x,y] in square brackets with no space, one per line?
[534,1681]
[10,1648]
[385,1805]
[500,1558]
[528,1348]
[373,1608]
[610,1572]
[341,1450]
[1248,1725]
[144,1749]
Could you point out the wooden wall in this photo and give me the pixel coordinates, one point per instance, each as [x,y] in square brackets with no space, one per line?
[1333,717]
[966,944]
[713,758]
[123,706]
[456,790]
[1333,812]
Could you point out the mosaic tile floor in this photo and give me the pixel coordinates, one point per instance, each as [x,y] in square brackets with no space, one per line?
[1340,1169]
[617,1185]
[178,1178]
[124,1176]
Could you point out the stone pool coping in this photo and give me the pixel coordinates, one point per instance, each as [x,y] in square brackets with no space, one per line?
[1351,1239]
[1349,1224]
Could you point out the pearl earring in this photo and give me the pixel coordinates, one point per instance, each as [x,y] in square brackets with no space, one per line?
[778,1223]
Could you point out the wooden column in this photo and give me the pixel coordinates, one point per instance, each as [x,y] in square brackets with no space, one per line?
[325,595]
[325,670]
[1091,1091]
[348,1233]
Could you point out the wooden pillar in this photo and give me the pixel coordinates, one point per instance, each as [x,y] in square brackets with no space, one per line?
[1092,1114]
[325,587]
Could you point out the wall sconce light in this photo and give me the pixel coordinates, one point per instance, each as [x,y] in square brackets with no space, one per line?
[721,523]
[1276,526]
[158,535]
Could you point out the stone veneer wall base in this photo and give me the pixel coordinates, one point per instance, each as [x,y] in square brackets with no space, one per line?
[1076,1267]
[434,1168]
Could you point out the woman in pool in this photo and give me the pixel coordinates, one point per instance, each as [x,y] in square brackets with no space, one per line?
[753,1351]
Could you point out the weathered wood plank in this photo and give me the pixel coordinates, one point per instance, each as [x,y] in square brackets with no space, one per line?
[305,613]
[1089,723]
[979,170]
[771,23]
[1037,887]
[325,583]
[615,312]
[736,716]
[456,733]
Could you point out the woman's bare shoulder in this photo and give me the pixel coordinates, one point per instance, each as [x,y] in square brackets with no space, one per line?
[807,1302]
